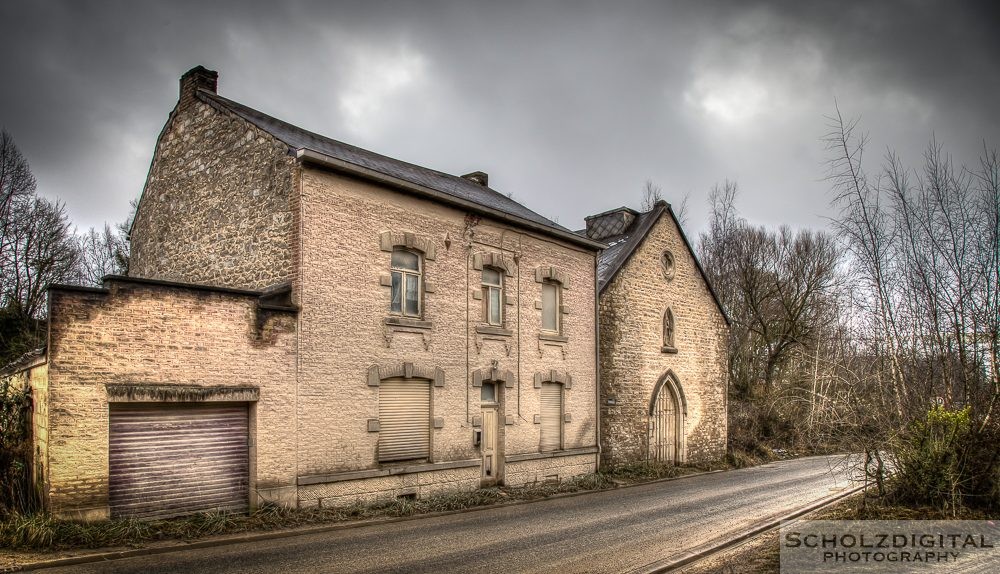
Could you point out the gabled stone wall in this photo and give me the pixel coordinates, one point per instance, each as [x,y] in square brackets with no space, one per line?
[217,206]
[634,357]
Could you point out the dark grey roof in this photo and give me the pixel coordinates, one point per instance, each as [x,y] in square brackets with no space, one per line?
[621,247]
[297,138]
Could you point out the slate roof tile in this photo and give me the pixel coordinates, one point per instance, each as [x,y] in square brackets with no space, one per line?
[453,185]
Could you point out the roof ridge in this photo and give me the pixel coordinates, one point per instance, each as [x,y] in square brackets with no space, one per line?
[453,185]
[233,103]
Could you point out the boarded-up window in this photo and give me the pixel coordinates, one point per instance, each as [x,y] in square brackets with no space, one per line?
[404,413]
[551,417]
[550,306]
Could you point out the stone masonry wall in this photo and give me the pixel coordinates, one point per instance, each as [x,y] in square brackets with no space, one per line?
[422,484]
[532,472]
[138,333]
[38,378]
[344,332]
[216,206]
[632,360]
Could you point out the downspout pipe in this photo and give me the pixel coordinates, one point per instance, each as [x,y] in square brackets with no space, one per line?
[597,362]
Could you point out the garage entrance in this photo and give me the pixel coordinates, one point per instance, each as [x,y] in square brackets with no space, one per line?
[175,459]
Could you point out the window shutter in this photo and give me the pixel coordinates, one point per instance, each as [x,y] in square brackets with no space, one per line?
[404,413]
[551,417]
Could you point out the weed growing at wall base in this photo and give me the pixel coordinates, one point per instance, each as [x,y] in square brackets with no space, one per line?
[16,492]
[41,532]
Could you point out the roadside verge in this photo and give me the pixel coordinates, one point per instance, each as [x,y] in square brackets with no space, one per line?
[167,546]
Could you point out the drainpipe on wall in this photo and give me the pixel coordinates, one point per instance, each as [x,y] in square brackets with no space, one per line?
[597,363]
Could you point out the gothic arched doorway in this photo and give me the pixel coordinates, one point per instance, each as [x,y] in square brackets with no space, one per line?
[666,421]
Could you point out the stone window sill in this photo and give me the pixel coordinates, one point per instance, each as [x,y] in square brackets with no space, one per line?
[668,349]
[408,322]
[493,330]
[553,338]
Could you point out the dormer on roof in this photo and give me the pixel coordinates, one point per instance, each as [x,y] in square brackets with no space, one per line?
[610,223]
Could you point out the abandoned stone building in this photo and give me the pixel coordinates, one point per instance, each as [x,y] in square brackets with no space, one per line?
[663,342]
[310,323]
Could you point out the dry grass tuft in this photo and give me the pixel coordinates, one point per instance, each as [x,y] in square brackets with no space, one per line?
[41,532]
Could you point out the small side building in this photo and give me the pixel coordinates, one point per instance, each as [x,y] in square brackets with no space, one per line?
[663,343]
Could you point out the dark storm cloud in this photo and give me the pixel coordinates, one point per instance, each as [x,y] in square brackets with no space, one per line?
[570,107]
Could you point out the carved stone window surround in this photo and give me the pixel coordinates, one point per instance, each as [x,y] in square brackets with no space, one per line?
[668,266]
[389,240]
[425,247]
[493,259]
[554,376]
[547,274]
[405,370]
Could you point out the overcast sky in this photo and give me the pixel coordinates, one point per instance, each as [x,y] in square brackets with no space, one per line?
[570,107]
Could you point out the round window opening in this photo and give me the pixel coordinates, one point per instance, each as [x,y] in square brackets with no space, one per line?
[667,264]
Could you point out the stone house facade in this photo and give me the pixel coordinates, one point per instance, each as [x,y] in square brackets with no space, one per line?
[663,343]
[310,324]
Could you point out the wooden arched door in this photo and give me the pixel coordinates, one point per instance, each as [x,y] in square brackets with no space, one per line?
[665,426]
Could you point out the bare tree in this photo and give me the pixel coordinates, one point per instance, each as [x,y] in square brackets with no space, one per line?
[866,228]
[651,193]
[36,249]
[780,289]
[103,253]
[923,248]
[682,212]
[42,251]
[715,245]
[17,186]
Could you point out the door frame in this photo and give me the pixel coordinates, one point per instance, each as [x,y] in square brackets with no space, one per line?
[498,433]
[669,382]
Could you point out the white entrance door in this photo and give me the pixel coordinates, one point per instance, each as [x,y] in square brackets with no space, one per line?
[489,445]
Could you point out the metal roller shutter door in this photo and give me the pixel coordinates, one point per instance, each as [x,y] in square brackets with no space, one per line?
[551,417]
[178,459]
[404,414]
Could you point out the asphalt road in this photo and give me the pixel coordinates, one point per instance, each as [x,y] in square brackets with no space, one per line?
[619,530]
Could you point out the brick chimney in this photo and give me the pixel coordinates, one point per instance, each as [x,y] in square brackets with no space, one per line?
[479,177]
[195,79]
[610,223]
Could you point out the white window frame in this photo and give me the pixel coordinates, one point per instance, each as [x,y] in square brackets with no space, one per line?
[405,275]
[488,297]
